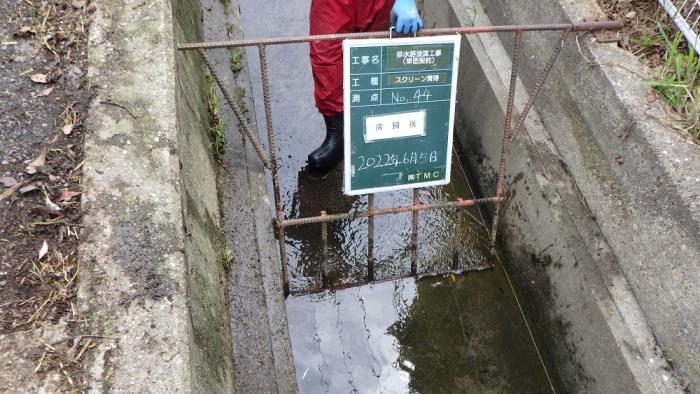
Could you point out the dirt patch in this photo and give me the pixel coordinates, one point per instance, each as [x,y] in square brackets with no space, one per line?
[650,34]
[44,94]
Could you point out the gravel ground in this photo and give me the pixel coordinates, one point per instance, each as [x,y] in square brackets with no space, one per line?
[44,93]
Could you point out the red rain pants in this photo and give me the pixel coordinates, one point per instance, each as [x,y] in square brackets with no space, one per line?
[339,16]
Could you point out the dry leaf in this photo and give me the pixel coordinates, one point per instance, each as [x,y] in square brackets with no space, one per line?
[66,196]
[42,210]
[40,78]
[25,30]
[38,162]
[51,204]
[620,160]
[45,92]
[11,191]
[67,128]
[651,97]
[44,249]
[28,189]
[8,181]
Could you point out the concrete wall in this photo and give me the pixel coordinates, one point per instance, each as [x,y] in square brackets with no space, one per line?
[151,282]
[647,207]
[261,346]
[647,203]
[204,242]
[585,316]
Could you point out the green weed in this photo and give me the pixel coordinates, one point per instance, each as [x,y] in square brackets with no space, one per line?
[217,127]
[227,258]
[236,60]
[240,94]
[678,81]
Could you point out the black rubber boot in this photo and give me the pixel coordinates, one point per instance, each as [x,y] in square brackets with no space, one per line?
[330,153]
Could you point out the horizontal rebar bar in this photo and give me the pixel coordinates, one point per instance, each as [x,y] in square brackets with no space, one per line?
[583,26]
[387,211]
[427,275]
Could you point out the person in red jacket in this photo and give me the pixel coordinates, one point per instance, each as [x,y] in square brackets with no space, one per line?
[346,16]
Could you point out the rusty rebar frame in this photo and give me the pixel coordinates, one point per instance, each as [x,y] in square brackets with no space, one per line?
[509,134]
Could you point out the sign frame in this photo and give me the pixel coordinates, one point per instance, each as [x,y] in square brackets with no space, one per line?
[454,40]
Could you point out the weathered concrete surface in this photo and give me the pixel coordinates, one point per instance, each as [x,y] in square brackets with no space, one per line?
[648,208]
[595,337]
[20,352]
[150,271]
[262,356]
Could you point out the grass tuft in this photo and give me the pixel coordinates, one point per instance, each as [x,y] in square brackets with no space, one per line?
[678,79]
[227,259]
[236,60]
[651,35]
[217,126]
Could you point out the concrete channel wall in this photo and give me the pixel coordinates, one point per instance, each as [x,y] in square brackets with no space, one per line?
[638,176]
[151,284]
[588,320]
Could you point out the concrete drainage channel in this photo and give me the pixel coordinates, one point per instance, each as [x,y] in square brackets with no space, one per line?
[158,237]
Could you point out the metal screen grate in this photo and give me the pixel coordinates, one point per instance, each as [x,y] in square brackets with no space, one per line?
[513,124]
[686,15]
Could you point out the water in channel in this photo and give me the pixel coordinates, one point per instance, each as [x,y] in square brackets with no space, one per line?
[453,334]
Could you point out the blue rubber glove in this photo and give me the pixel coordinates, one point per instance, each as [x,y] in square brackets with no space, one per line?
[405,17]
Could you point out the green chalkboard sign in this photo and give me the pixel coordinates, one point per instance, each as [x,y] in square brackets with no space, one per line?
[399,100]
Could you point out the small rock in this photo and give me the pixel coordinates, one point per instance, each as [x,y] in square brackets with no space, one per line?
[78,4]
[631,15]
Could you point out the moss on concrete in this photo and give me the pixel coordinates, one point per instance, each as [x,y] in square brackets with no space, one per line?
[211,347]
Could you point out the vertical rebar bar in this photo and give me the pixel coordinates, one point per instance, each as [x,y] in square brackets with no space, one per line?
[457,238]
[506,140]
[279,214]
[243,123]
[324,259]
[414,236]
[541,79]
[370,240]
[509,135]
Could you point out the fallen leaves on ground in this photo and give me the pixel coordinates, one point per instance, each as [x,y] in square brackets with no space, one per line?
[51,204]
[40,161]
[8,181]
[10,192]
[44,249]
[44,210]
[39,78]
[45,92]
[66,196]
[25,31]
[67,128]
[651,97]
[28,188]
[70,119]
